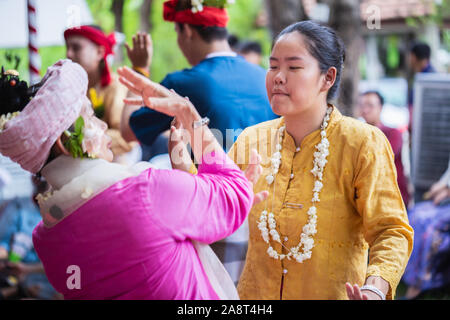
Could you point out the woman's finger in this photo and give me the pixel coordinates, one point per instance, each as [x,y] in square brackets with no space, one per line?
[128,49]
[357,292]
[349,288]
[167,106]
[134,42]
[141,41]
[260,197]
[145,39]
[130,86]
[133,102]
[441,196]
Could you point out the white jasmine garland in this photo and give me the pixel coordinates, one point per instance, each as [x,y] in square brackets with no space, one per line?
[4,118]
[267,223]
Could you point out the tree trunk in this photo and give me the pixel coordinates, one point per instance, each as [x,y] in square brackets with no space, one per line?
[283,13]
[146,21]
[117,9]
[345,18]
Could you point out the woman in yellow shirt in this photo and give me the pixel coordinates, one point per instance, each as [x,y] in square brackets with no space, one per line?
[332,183]
[333,193]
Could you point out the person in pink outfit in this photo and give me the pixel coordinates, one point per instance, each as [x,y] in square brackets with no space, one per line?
[115,232]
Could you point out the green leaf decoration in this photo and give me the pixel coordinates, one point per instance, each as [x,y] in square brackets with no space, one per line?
[75,139]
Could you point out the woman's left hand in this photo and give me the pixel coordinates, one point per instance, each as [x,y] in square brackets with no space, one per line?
[355,293]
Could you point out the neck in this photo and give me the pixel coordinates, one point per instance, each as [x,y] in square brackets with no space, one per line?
[205,49]
[63,169]
[95,80]
[302,124]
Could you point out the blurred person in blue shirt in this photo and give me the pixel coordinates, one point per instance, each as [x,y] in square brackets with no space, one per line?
[21,272]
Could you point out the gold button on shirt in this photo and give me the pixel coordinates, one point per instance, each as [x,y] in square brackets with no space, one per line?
[360,208]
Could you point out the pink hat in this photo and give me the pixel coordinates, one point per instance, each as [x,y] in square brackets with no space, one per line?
[28,138]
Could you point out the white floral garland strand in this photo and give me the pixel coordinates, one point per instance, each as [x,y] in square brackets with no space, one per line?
[267,223]
[4,118]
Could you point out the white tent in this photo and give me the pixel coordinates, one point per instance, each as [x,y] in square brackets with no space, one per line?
[53,17]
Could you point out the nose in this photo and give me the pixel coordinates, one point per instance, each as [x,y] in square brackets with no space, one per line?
[69,54]
[279,78]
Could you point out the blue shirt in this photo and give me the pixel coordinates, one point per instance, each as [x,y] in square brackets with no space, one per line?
[17,223]
[230,91]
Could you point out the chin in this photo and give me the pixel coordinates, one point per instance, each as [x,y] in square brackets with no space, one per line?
[279,109]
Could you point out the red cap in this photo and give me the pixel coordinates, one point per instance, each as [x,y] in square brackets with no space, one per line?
[208,17]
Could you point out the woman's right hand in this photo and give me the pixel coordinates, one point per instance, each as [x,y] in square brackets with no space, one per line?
[253,172]
[179,155]
[158,98]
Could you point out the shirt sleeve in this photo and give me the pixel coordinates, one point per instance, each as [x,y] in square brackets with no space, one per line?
[148,124]
[8,225]
[379,202]
[206,207]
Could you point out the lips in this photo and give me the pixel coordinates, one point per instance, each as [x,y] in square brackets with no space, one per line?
[279,92]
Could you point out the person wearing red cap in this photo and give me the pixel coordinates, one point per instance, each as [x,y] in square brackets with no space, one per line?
[222,85]
[90,47]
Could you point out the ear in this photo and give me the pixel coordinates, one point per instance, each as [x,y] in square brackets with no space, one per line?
[101,52]
[329,79]
[189,31]
[60,147]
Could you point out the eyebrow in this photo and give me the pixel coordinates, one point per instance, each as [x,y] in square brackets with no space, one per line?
[295,58]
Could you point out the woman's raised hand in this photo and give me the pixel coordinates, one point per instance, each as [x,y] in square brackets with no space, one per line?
[153,95]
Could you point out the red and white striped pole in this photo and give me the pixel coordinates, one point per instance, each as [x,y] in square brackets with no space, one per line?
[33,52]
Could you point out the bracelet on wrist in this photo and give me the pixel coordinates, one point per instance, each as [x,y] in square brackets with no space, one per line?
[142,71]
[200,123]
[374,290]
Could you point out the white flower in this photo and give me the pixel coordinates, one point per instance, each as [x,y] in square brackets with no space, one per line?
[276,163]
[87,192]
[277,155]
[270,179]
[262,225]
[318,186]
[315,197]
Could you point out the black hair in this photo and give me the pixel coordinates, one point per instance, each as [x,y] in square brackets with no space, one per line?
[421,50]
[380,97]
[96,27]
[324,45]
[251,46]
[233,41]
[208,34]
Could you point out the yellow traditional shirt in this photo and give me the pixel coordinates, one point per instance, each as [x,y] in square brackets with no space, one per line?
[360,208]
